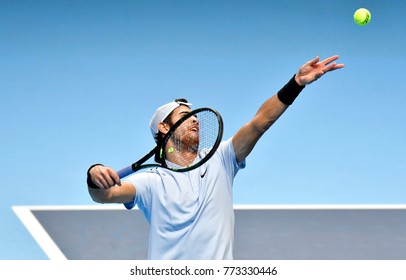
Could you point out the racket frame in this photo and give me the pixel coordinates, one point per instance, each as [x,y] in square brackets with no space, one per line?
[208,155]
[138,165]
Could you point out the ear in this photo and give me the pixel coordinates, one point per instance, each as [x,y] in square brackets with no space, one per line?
[163,127]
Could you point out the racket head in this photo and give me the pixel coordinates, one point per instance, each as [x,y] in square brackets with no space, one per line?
[192,140]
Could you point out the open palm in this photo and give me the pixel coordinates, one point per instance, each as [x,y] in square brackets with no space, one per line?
[314,69]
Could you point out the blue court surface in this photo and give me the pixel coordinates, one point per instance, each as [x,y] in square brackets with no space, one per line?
[318,232]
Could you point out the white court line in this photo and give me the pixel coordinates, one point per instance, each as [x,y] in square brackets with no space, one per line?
[236,207]
[24,213]
[34,227]
[319,206]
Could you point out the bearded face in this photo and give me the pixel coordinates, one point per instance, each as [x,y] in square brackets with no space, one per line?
[186,136]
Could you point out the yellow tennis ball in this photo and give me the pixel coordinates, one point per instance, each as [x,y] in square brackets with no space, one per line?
[362,16]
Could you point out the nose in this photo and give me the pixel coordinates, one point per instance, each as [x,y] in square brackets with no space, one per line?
[195,119]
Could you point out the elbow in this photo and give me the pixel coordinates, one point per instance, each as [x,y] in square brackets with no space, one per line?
[99,196]
[98,200]
[260,126]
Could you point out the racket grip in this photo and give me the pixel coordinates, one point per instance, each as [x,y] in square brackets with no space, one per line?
[124,172]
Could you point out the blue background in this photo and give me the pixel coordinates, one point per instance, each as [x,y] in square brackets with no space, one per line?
[80,80]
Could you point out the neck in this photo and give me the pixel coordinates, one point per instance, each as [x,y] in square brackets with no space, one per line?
[182,158]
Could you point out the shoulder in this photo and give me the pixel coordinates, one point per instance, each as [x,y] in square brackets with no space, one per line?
[147,177]
[226,146]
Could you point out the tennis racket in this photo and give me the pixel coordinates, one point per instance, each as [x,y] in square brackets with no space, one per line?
[189,143]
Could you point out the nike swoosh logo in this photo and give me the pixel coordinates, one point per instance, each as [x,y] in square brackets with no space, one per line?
[204,173]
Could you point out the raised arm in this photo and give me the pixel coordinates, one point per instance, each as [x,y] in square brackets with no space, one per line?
[247,136]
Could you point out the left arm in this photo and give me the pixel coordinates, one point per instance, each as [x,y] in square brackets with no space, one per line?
[247,136]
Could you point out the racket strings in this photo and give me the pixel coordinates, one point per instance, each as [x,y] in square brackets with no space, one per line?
[193,140]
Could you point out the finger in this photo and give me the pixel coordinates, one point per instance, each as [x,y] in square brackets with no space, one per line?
[114,176]
[108,181]
[339,66]
[101,183]
[329,67]
[329,59]
[313,61]
[333,66]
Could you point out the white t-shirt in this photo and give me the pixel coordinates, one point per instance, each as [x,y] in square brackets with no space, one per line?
[191,214]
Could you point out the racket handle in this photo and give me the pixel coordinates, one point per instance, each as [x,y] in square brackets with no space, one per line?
[124,172]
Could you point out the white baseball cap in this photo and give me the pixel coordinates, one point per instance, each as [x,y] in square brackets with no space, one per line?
[162,113]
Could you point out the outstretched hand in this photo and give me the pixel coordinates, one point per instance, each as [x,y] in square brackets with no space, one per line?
[314,69]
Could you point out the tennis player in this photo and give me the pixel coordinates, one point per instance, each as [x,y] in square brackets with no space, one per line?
[191,214]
